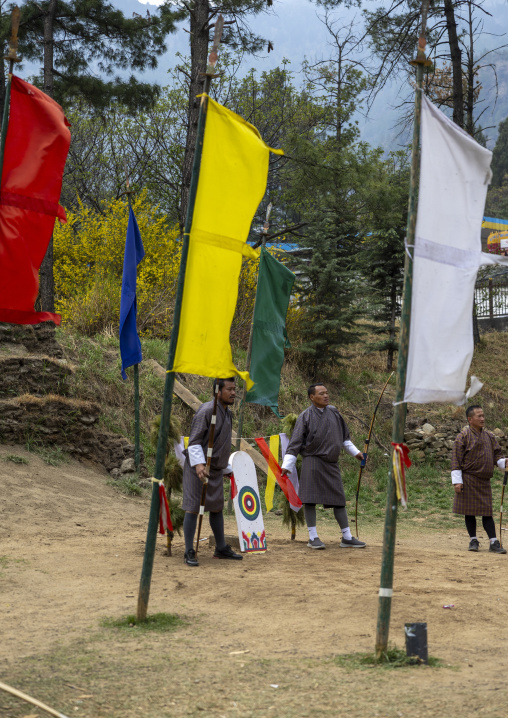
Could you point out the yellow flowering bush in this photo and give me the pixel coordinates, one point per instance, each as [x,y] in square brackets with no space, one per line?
[88,264]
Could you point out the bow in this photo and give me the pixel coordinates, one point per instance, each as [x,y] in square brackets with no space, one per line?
[366,450]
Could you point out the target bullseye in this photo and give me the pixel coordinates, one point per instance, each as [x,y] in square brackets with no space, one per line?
[248,501]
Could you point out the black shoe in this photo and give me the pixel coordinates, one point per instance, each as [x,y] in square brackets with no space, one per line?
[190,558]
[474,545]
[496,547]
[227,552]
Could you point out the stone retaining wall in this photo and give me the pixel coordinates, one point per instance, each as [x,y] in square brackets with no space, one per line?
[67,423]
[437,443]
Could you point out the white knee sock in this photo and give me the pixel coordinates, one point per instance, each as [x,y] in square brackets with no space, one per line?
[312,532]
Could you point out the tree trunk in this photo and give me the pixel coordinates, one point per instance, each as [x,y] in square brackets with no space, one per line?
[476,329]
[47,283]
[199,34]
[456,59]
[470,76]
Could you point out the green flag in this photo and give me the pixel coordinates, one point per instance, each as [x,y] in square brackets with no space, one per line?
[269,336]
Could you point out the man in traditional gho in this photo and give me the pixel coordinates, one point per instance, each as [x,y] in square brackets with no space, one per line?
[195,472]
[320,433]
[476,452]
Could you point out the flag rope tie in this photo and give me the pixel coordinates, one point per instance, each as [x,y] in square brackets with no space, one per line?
[400,459]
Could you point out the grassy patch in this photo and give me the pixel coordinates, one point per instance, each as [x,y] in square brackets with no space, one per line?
[128,485]
[52,455]
[392,658]
[161,622]
[16,459]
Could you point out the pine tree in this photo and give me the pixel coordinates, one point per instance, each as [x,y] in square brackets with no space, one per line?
[81,44]
[500,155]
[381,258]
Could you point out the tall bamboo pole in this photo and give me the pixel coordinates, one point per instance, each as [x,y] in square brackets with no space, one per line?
[151,534]
[400,409]
[11,57]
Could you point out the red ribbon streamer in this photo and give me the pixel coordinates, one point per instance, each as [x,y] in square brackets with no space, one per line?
[404,453]
[164,516]
[234,490]
[285,484]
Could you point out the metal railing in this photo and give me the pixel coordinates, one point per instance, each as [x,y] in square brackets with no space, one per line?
[491,298]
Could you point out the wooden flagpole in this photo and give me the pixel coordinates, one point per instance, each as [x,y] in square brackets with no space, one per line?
[151,534]
[366,450]
[12,57]
[400,409]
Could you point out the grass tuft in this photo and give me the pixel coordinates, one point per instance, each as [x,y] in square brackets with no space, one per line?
[161,622]
[392,658]
[16,459]
[128,485]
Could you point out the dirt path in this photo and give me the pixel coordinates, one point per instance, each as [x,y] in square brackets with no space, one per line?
[70,555]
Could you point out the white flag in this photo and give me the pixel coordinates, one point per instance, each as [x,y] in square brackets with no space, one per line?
[454,176]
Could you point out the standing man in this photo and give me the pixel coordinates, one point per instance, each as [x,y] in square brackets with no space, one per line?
[320,433]
[475,454]
[195,472]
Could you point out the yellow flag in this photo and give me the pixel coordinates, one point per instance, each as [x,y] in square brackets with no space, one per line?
[232,182]
[270,476]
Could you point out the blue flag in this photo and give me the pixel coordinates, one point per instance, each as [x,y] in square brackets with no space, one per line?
[130,346]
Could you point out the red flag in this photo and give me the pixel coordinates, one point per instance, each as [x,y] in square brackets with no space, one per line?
[36,148]
[234,490]
[165,522]
[285,484]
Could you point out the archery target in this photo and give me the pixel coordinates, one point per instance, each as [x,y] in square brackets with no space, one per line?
[247,503]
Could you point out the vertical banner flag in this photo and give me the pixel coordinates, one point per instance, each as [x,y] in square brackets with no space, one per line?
[130,346]
[36,147]
[269,336]
[232,182]
[249,517]
[293,476]
[454,176]
[270,476]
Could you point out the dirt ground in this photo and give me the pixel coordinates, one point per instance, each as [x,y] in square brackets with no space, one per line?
[260,637]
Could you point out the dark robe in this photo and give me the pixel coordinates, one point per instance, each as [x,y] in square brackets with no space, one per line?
[199,433]
[475,453]
[319,437]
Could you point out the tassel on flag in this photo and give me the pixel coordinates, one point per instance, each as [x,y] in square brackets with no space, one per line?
[400,459]
[165,524]
[285,484]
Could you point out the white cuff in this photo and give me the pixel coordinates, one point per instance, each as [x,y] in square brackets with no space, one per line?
[501,464]
[289,462]
[351,448]
[227,470]
[196,455]
[457,476]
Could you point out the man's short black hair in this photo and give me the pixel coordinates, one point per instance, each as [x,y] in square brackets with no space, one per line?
[312,388]
[221,382]
[471,409]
